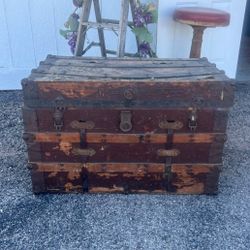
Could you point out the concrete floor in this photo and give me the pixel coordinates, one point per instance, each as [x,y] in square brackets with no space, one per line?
[109,222]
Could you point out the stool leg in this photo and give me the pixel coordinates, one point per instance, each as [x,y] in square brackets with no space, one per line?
[197,41]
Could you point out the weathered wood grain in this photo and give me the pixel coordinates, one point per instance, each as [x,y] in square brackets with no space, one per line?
[123,59]
[138,152]
[109,63]
[70,69]
[147,94]
[194,179]
[39,77]
[82,29]
[152,138]
[100,30]
[126,73]
[127,178]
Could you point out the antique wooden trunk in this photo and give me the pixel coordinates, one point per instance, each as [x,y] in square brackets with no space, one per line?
[126,125]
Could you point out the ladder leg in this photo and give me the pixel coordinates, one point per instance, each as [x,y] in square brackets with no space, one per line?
[123,28]
[100,30]
[82,28]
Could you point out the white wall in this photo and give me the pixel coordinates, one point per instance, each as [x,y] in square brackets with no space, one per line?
[29,31]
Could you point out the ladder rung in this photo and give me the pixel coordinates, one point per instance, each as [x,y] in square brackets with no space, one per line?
[108,51]
[114,21]
[113,52]
[111,26]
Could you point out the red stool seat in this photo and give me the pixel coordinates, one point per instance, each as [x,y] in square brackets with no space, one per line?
[205,17]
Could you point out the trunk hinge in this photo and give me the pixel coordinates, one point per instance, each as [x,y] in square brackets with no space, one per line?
[59,114]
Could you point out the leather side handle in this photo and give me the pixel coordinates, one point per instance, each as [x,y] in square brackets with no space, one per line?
[168,153]
[176,125]
[82,125]
[84,152]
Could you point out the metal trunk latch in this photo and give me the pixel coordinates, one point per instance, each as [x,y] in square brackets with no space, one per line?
[126,121]
[59,113]
[83,150]
[192,122]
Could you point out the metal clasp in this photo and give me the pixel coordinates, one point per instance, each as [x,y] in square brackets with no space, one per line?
[168,152]
[129,94]
[192,122]
[173,125]
[126,123]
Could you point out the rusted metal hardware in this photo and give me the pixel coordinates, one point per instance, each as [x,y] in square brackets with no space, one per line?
[129,94]
[28,138]
[126,121]
[82,125]
[168,152]
[126,189]
[31,166]
[83,139]
[173,125]
[192,122]
[58,120]
[168,174]
[85,183]
[83,152]
[59,113]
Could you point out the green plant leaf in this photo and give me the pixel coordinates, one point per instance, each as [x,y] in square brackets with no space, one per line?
[151,7]
[73,24]
[66,25]
[155,16]
[64,33]
[143,34]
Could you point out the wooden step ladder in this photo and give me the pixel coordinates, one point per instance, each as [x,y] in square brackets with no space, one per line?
[117,26]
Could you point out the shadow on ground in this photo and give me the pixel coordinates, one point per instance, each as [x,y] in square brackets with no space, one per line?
[119,221]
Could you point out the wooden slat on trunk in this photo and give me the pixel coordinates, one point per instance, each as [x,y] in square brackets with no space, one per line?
[143,120]
[145,94]
[127,178]
[151,138]
[111,152]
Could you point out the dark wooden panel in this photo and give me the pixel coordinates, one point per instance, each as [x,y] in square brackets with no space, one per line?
[30,119]
[134,178]
[220,120]
[189,153]
[143,120]
[145,94]
[38,180]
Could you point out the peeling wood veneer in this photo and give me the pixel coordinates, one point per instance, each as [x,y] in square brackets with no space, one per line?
[187,179]
[66,147]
